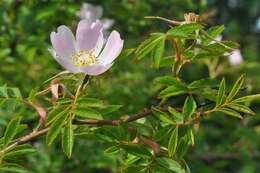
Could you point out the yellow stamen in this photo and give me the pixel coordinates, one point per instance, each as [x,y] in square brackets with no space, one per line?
[84,58]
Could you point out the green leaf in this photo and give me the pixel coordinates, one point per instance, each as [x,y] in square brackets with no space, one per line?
[173,142]
[137,150]
[221,93]
[170,164]
[237,86]
[207,93]
[107,109]
[183,146]
[32,95]
[3,91]
[230,112]
[169,80]
[112,150]
[173,91]
[87,113]
[213,32]
[184,31]
[247,98]
[20,150]
[11,130]
[55,114]
[15,92]
[167,61]
[158,53]
[189,107]
[176,115]
[190,136]
[11,167]
[68,138]
[203,83]
[89,102]
[164,117]
[56,128]
[148,45]
[241,108]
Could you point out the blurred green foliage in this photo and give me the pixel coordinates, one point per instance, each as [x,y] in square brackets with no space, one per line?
[223,145]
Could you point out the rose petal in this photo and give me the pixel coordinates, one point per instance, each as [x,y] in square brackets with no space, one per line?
[88,34]
[90,12]
[236,57]
[107,23]
[63,42]
[65,62]
[96,69]
[99,45]
[112,49]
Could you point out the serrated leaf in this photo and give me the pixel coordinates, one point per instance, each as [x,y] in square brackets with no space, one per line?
[164,117]
[241,108]
[158,52]
[184,31]
[87,113]
[55,114]
[55,128]
[173,142]
[68,138]
[20,150]
[189,107]
[148,45]
[213,32]
[230,112]
[237,86]
[247,98]
[11,130]
[221,93]
[11,167]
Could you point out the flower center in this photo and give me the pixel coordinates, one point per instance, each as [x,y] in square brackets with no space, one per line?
[84,58]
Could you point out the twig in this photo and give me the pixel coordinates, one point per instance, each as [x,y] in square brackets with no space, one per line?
[94,122]
[166,20]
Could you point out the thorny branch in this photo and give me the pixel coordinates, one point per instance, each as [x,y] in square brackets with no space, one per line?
[94,122]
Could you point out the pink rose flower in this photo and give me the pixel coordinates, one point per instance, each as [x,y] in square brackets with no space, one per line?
[85,54]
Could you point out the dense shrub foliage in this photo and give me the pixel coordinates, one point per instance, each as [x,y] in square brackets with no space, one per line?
[180,97]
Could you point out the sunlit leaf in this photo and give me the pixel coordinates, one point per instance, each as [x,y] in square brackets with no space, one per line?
[230,112]
[83,112]
[241,108]
[55,128]
[68,138]
[173,142]
[221,93]
[11,130]
[164,117]
[184,31]
[189,107]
